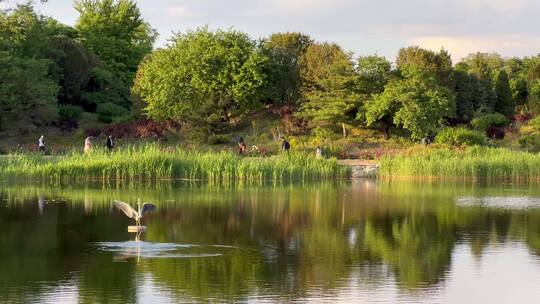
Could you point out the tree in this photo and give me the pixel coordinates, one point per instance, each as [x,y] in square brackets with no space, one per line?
[412,60]
[417,104]
[335,101]
[373,74]
[504,103]
[316,62]
[115,31]
[517,74]
[463,85]
[24,33]
[202,77]
[484,65]
[26,88]
[284,51]
[75,65]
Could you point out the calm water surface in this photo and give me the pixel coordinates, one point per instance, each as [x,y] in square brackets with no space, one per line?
[358,242]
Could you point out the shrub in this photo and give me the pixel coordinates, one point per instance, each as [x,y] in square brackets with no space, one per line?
[216,139]
[322,136]
[535,122]
[495,132]
[69,113]
[483,123]
[530,142]
[460,137]
[108,111]
[123,119]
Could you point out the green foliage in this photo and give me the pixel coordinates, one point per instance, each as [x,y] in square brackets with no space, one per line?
[69,113]
[115,31]
[26,88]
[104,87]
[152,162]
[474,162]
[484,122]
[415,60]
[484,65]
[284,52]
[333,99]
[535,123]
[530,142]
[317,63]
[505,102]
[373,73]
[203,77]
[23,33]
[108,111]
[322,136]
[460,137]
[216,139]
[417,104]
[74,64]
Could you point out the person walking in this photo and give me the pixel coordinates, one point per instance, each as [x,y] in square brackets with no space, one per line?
[285,145]
[88,145]
[318,153]
[110,143]
[241,146]
[41,143]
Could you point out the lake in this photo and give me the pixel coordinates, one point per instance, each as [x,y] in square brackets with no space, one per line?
[359,241]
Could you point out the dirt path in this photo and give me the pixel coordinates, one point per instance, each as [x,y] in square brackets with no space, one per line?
[357,162]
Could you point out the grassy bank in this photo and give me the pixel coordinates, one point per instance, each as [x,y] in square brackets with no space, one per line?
[154,162]
[474,162]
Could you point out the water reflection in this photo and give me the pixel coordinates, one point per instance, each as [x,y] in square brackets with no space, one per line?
[366,241]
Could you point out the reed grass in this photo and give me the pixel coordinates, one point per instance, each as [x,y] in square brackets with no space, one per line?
[471,163]
[152,162]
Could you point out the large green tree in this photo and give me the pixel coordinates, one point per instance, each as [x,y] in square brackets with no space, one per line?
[373,74]
[26,88]
[504,103]
[74,65]
[115,31]
[413,60]
[335,101]
[316,63]
[284,52]
[417,104]
[202,77]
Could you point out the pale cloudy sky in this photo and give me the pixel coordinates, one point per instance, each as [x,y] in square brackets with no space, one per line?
[509,27]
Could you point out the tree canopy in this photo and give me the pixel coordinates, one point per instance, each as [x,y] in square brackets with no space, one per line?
[417,104]
[203,76]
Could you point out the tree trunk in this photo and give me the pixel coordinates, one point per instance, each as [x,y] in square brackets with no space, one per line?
[386,130]
[344,130]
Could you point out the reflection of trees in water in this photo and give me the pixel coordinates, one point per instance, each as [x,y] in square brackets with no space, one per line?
[289,240]
[41,251]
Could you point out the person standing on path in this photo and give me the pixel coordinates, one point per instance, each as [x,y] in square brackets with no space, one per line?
[241,146]
[318,153]
[285,145]
[41,143]
[88,145]
[110,143]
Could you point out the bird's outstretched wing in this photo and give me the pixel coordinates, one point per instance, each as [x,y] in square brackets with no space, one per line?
[147,207]
[130,212]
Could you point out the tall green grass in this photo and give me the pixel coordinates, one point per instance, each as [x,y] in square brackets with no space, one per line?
[152,162]
[474,162]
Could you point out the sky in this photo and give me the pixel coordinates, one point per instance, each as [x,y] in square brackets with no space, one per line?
[509,27]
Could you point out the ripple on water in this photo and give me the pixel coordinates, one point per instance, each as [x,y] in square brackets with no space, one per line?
[501,202]
[141,249]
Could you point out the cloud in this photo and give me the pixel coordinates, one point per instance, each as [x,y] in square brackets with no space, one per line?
[506,26]
[460,47]
[180,11]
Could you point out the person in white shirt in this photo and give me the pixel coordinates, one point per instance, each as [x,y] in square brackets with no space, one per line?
[41,143]
[88,144]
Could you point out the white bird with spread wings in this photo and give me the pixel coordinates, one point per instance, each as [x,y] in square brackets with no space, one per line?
[132,213]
